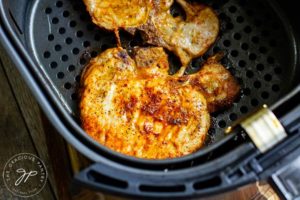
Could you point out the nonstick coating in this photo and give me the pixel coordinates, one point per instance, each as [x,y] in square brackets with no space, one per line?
[258,52]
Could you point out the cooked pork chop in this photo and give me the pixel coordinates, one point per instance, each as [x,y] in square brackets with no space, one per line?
[153,116]
[216,83]
[134,107]
[151,61]
[187,38]
[115,14]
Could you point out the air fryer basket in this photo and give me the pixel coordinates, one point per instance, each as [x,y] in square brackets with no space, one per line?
[52,42]
[256,44]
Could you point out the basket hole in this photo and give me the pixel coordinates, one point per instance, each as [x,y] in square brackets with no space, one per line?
[254,102]
[265,95]
[244,109]
[72,24]
[252,56]
[55,20]
[222,124]
[59,4]
[69,40]
[77,78]
[275,88]
[57,47]
[75,51]
[53,65]
[176,10]
[260,67]
[249,74]
[62,30]
[47,54]
[86,44]
[257,84]
[50,37]
[227,43]
[79,34]
[247,29]
[64,58]
[71,68]
[268,77]
[60,75]
[67,86]
[240,19]
[232,9]
[66,13]
[48,10]
[242,63]
[237,36]
[233,116]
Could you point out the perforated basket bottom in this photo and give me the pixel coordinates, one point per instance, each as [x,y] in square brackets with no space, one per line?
[258,52]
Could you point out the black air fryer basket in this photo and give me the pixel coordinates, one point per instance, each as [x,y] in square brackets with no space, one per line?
[51,42]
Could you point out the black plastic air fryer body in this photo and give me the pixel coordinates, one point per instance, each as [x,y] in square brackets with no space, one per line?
[50,43]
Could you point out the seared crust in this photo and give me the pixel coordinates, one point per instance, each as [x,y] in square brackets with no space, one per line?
[216,83]
[152,116]
[151,62]
[115,14]
[134,107]
[187,38]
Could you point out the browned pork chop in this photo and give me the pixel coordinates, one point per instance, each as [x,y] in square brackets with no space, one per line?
[187,38]
[115,14]
[134,107]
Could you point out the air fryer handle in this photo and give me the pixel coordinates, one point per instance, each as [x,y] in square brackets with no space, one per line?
[286,181]
[269,126]
[286,178]
[287,110]
[103,178]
